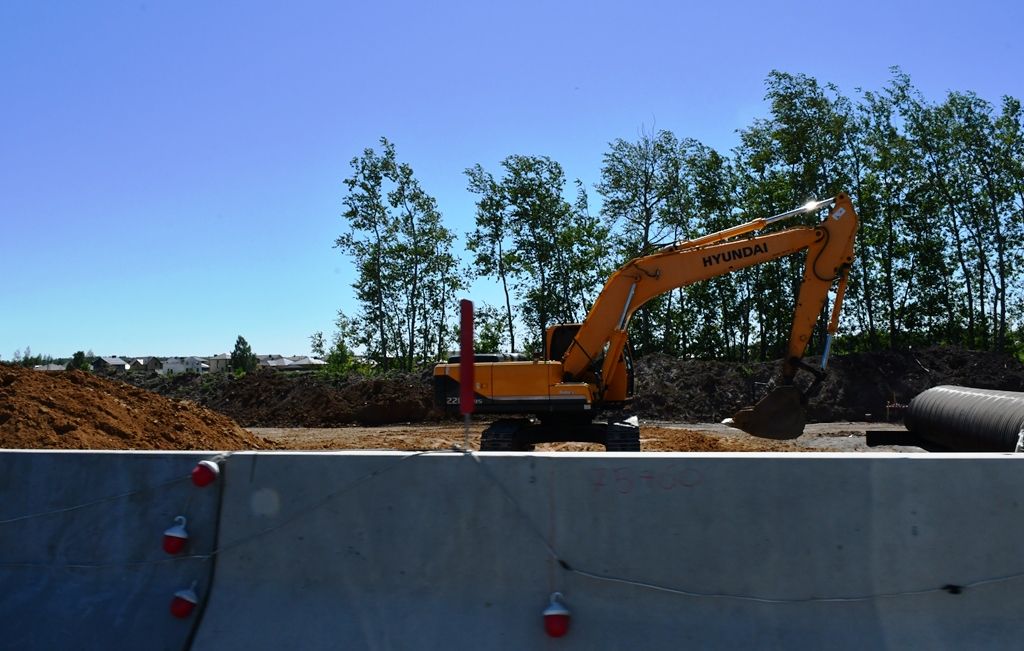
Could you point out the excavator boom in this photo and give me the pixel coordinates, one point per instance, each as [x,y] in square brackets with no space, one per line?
[829,253]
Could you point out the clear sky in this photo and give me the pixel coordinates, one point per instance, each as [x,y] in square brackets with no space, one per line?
[171,172]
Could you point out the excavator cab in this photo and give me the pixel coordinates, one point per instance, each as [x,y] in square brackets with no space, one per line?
[616,390]
[558,338]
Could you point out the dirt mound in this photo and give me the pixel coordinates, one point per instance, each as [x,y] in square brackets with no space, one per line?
[76,410]
[857,386]
[270,398]
[276,399]
[863,383]
[693,390]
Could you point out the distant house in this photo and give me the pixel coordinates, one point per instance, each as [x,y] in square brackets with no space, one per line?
[173,365]
[48,367]
[145,364]
[109,364]
[219,363]
[296,363]
[306,363]
[275,362]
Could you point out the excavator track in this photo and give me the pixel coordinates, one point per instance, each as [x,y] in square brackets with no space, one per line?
[506,435]
[622,437]
[520,435]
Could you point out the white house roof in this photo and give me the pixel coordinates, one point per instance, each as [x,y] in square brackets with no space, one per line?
[277,362]
[114,361]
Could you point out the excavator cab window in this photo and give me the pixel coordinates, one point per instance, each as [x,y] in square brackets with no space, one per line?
[560,337]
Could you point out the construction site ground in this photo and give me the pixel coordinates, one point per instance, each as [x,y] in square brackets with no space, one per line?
[654,437]
[679,404]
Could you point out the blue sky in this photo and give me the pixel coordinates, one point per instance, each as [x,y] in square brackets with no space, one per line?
[171,172]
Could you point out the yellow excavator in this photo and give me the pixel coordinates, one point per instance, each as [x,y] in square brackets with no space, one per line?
[587,367]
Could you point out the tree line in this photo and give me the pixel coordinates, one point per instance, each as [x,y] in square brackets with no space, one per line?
[938,185]
[80,360]
[243,360]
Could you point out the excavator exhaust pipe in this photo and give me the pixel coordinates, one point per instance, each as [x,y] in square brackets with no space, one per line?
[779,415]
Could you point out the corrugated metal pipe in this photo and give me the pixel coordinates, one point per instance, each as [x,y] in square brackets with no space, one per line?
[962,419]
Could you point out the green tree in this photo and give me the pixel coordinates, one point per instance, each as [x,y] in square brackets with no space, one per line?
[79,362]
[488,330]
[407,272]
[340,358]
[28,360]
[316,344]
[640,184]
[490,242]
[713,320]
[795,154]
[887,173]
[242,358]
[1009,155]
[553,252]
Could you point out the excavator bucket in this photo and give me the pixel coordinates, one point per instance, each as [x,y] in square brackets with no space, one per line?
[779,415]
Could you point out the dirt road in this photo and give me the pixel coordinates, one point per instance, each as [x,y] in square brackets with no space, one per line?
[654,437]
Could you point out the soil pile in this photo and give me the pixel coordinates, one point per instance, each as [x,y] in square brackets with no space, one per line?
[77,410]
[861,385]
[662,439]
[858,386]
[274,399]
[693,390]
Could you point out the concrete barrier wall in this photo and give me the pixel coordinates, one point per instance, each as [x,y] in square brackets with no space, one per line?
[443,550]
[81,556]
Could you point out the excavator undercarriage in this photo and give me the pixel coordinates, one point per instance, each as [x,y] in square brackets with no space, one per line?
[519,434]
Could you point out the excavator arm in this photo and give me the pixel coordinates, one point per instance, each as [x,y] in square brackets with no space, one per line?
[596,350]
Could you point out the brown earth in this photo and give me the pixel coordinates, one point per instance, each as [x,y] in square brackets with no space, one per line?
[84,411]
[858,387]
[77,410]
[446,437]
[274,399]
